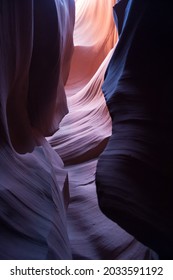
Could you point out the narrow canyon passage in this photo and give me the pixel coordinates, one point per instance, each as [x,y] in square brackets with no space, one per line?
[84,133]
[86,130]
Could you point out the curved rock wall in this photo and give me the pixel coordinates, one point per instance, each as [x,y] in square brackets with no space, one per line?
[84,133]
[35,53]
[84,130]
[32,177]
[134,173]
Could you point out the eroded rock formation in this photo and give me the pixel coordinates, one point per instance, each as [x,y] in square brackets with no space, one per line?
[134,173]
[84,133]
[36,77]
[33,68]
[84,130]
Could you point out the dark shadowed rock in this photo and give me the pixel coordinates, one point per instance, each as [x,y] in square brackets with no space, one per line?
[135,172]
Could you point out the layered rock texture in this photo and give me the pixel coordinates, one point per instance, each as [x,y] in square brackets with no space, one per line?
[33,69]
[84,130]
[55,124]
[84,133]
[134,173]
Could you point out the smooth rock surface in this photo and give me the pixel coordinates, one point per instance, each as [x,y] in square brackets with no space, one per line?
[83,135]
[32,103]
[134,173]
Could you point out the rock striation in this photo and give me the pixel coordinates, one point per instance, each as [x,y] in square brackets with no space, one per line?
[33,70]
[134,174]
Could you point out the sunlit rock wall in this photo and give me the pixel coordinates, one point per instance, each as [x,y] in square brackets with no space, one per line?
[83,132]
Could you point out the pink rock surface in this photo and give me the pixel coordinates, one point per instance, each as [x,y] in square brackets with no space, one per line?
[35,54]
[83,132]
[83,135]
